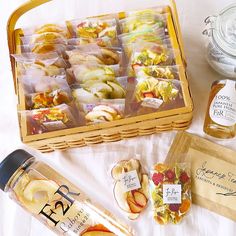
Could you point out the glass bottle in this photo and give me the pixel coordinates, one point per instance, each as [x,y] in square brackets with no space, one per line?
[221,44]
[221,112]
[54,200]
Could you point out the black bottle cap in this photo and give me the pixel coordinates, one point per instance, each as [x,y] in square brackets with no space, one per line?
[11,164]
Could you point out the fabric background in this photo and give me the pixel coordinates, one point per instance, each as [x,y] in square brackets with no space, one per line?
[89,167]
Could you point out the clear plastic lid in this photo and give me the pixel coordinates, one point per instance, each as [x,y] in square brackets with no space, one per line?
[224,30]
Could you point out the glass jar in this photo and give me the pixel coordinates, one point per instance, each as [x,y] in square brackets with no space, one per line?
[53,200]
[221,46]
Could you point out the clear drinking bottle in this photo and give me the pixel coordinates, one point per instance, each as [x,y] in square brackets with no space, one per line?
[54,200]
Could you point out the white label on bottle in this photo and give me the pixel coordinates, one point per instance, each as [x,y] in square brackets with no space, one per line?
[223,106]
[172,193]
[130,181]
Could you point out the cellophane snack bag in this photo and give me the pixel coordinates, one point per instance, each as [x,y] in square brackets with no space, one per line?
[32,64]
[131,187]
[94,72]
[33,84]
[93,90]
[105,110]
[92,53]
[159,72]
[170,192]
[50,119]
[142,22]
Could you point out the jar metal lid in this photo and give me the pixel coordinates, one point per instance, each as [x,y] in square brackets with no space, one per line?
[11,164]
[224,30]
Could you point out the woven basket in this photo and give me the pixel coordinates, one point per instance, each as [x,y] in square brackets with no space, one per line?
[175,119]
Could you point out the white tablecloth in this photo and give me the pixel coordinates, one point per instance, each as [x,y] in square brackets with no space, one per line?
[89,167]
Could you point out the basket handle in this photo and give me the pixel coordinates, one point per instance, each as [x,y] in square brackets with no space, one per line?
[11,24]
[178,30]
[31,4]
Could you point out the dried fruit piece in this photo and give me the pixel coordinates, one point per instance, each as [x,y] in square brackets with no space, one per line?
[102,113]
[157,178]
[184,178]
[139,198]
[97,230]
[170,175]
[185,206]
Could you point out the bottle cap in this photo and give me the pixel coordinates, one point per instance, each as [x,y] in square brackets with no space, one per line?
[11,164]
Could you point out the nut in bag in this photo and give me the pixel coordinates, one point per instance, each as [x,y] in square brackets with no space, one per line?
[170,191]
[130,187]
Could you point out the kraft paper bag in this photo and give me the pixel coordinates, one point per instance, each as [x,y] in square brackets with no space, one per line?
[213,172]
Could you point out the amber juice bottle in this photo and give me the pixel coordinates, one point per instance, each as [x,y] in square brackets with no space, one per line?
[221,111]
[54,200]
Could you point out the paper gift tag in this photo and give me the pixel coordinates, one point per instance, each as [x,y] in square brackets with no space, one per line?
[130,181]
[171,193]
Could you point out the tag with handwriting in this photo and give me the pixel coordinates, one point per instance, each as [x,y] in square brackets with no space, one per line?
[130,181]
[171,193]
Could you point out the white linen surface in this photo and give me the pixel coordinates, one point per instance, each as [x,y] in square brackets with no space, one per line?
[89,167]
